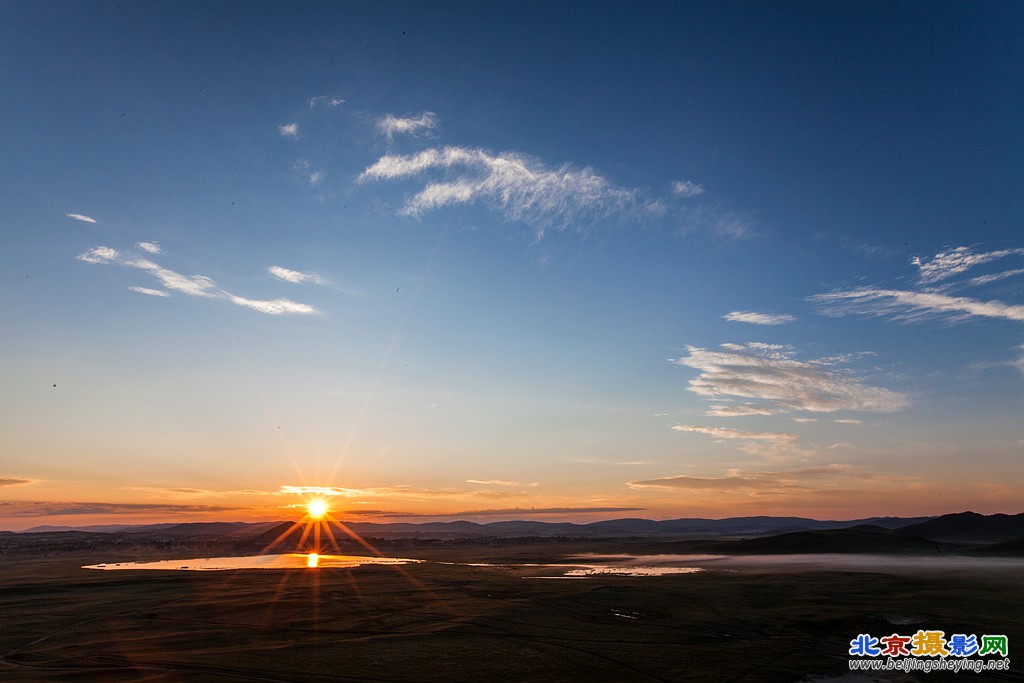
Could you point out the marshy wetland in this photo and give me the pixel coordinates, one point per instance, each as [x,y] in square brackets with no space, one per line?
[469,613]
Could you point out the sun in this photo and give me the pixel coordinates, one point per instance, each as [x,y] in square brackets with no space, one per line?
[317,508]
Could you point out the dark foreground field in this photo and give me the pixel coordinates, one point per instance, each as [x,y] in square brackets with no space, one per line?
[438,622]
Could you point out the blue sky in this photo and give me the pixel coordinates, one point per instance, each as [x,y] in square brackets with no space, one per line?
[438,260]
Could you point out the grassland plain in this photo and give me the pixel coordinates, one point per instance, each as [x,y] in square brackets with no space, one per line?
[453,622]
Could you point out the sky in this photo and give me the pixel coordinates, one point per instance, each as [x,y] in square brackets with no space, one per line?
[561,261]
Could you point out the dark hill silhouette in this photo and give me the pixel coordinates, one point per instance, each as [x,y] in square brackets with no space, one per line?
[1011,548]
[969,527]
[859,539]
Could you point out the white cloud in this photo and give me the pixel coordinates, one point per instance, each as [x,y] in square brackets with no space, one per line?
[389,124]
[98,255]
[913,306]
[151,247]
[492,482]
[849,422]
[805,419]
[782,481]
[193,285]
[150,292]
[523,189]
[758,318]
[274,307]
[319,491]
[952,262]
[325,100]
[289,130]
[994,277]
[295,276]
[738,411]
[81,217]
[727,433]
[306,170]
[782,384]
[685,188]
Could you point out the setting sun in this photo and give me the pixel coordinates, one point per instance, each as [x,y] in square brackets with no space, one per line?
[317,508]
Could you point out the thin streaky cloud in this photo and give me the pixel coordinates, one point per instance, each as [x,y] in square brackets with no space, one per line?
[804,420]
[686,188]
[289,130]
[535,511]
[193,285]
[295,276]
[728,433]
[912,306]
[390,125]
[325,101]
[81,217]
[786,480]
[318,491]
[783,384]
[848,421]
[55,509]
[521,188]
[149,292]
[994,277]
[13,481]
[951,262]
[759,318]
[272,307]
[738,411]
[494,482]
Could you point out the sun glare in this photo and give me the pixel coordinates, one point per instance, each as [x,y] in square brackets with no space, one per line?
[317,508]
[312,560]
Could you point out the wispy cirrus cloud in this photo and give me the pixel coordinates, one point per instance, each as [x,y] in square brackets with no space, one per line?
[728,433]
[81,217]
[952,262]
[151,247]
[305,170]
[492,482]
[994,277]
[686,188]
[319,491]
[192,285]
[295,276]
[60,509]
[784,480]
[289,130]
[536,511]
[389,125]
[13,481]
[520,187]
[848,421]
[739,410]
[911,306]
[150,292]
[759,318]
[778,383]
[325,101]
[273,306]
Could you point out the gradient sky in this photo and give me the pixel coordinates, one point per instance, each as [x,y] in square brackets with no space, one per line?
[533,260]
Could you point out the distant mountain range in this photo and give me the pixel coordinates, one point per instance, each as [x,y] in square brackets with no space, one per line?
[960,527]
[733,526]
[961,533]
